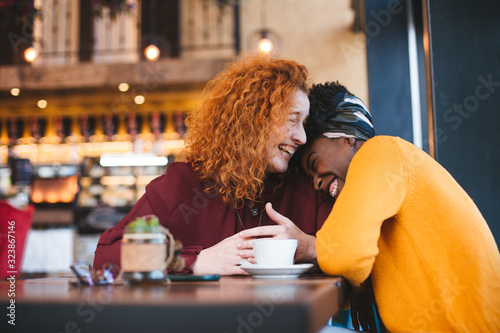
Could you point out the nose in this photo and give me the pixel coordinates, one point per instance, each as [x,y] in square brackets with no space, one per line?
[299,135]
[317,183]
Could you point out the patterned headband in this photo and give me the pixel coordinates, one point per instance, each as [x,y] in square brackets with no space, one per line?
[350,119]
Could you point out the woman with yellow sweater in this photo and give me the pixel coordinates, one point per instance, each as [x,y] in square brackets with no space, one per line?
[402,219]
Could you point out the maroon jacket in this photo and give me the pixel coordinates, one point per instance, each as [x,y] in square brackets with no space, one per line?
[200,219]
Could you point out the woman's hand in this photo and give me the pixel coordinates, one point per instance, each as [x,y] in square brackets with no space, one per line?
[285,229]
[222,258]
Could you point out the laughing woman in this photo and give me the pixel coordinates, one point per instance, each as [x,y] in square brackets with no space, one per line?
[402,219]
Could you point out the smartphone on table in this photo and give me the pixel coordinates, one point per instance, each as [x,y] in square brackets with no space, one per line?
[190,277]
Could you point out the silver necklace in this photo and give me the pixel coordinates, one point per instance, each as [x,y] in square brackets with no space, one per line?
[255,211]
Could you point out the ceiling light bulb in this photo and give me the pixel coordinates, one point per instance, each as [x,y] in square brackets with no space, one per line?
[265,45]
[152,52]
[30,54]
[123,87]
[15,91]
[42,104]
[139,99]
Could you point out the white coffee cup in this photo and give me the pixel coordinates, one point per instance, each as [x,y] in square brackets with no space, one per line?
[274,252]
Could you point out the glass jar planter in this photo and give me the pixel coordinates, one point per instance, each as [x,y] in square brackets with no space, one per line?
[146,254]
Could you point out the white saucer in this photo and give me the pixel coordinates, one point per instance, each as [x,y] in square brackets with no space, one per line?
[269,272]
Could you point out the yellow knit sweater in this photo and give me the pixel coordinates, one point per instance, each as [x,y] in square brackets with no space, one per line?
[401,217]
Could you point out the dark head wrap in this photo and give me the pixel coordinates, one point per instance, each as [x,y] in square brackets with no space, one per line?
[350,119]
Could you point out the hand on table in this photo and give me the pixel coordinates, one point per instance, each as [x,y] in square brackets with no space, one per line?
[222,258]
[285,229]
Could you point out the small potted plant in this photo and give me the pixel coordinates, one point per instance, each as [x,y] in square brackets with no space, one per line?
[147,250]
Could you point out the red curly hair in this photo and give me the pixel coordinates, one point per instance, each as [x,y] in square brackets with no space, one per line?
[243,109]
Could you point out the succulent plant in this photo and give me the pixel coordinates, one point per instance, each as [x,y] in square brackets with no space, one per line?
[146,225]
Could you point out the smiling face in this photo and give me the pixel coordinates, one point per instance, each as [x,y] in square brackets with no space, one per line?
[326,161]
[294,135]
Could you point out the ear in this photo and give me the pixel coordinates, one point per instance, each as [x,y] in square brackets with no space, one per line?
[350,141]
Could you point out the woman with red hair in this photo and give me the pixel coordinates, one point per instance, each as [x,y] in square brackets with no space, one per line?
[238,148]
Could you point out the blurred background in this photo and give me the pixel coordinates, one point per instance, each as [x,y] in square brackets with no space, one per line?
[94,93]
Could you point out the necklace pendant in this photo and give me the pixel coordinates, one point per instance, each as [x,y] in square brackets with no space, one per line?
[255,211]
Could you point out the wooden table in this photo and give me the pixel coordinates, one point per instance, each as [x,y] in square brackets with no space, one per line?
[233,304]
